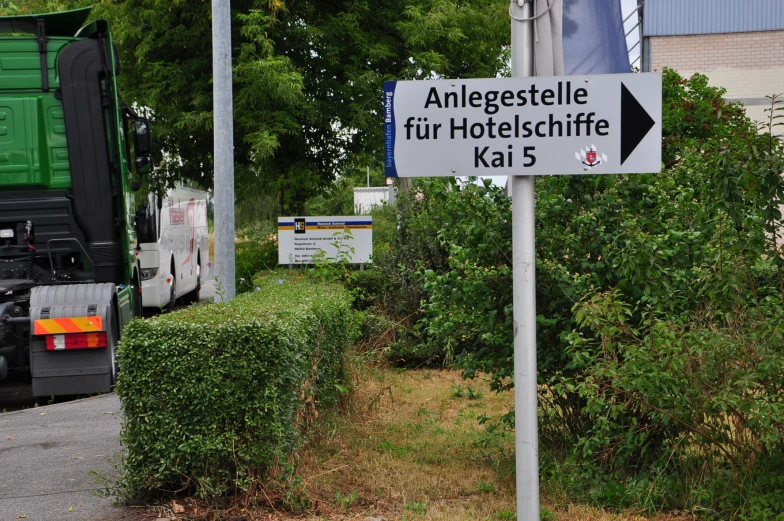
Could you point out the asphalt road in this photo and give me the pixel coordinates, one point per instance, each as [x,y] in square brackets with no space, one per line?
[48,456]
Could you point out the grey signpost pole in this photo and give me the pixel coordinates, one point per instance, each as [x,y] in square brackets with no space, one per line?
[224,149]
[524,296]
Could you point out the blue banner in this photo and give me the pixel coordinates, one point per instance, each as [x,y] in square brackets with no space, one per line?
[593,38]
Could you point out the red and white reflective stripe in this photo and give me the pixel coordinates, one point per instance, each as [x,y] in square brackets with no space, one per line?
[76,341]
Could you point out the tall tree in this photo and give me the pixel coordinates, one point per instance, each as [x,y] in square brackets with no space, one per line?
[25,7]
[308,78]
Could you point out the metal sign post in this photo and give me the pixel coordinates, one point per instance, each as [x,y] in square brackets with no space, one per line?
[223,130]
[524,299]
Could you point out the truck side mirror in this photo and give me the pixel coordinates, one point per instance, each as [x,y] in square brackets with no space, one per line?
[143,164]
[142,139]
[142,136]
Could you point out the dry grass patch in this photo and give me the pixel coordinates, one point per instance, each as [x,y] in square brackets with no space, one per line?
[410,447]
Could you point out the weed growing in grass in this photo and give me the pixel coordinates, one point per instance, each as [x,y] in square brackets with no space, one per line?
[466,414]
[419,508]
[469,392]
[396,450]
[505,515]
[346,500]
[474,394]
[430,417]
[220,291]
[430,459]
[495,446]
[294,496]
[483,486]
[415,428]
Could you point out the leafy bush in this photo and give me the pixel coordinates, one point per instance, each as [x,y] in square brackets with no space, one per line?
[405,237]
[469,307]
[367,286]
[699,395]
[257,251]
[213,396]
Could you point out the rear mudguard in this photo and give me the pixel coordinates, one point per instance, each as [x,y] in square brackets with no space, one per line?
[79,371]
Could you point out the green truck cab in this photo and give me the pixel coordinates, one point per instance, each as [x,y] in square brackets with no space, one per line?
[69,280]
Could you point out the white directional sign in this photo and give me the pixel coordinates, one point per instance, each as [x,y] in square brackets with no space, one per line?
[604,124]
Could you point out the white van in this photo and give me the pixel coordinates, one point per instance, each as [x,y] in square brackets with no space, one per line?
[173,247]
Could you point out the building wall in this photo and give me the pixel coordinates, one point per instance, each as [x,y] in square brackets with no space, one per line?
[365,199]
[749,65]
[669,17]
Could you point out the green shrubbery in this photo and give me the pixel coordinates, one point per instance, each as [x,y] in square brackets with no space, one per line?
[213,396]
[404,238]
[659,301]
[257,251]
[683,411]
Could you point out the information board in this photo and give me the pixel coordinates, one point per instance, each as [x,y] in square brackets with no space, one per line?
[347,239]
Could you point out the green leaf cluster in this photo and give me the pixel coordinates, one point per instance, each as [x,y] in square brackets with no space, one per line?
[255,252]
[214,396]
[307,78]
[689,412]
[26,7]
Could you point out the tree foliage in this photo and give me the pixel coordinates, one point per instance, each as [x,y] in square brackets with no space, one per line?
[307,79]
[26,7]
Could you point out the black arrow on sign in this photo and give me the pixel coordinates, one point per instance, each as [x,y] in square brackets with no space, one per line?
[635,123]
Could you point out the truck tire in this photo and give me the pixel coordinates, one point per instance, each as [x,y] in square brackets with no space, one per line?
[138,310]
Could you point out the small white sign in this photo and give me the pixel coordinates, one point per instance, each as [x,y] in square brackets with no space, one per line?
[348,239]
[603,124]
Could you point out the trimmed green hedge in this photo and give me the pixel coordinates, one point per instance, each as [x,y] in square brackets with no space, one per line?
[214,395]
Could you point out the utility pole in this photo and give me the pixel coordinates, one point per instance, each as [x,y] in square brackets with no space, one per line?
[223,159]
[524,294]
